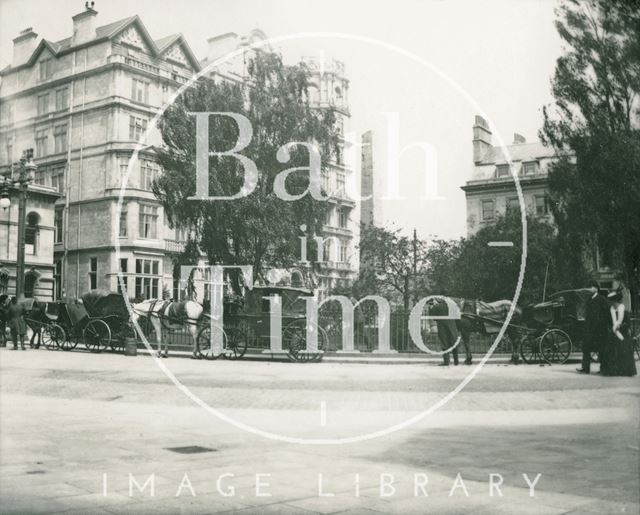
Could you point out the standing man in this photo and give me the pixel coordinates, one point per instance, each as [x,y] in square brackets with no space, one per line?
[18,326]
[595,329]
[447,330]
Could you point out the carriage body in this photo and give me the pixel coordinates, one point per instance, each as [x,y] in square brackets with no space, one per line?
[256,312]
[555,325]
[110,308]
[61,323]
[571,312]
[247,324]
[66,323]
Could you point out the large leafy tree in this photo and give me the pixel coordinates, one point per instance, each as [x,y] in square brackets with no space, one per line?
[261,229]
[470,268]
[593,125]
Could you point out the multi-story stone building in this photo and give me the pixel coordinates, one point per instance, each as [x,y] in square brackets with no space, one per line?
[328,90]
[38,244]
[491,191]
[83,103]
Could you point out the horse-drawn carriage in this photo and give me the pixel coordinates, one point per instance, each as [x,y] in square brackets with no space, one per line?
[557,325]
[545,332]
[99,320]
[247,324]
[110,308]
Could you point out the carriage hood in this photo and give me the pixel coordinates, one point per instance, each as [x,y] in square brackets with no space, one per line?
[101,303]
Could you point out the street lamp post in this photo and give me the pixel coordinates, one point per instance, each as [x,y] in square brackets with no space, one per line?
[27,171]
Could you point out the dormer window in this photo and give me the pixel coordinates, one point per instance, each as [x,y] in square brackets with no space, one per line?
[502,171]
[530,168]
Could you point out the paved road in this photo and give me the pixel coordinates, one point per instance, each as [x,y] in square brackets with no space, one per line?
[70,420]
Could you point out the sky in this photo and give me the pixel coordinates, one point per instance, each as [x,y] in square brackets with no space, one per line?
[433,64]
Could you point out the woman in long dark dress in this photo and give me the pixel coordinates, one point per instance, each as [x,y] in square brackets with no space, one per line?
[622,361]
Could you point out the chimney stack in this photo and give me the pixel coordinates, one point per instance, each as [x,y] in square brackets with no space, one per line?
[84,25]
[518,138]
[23,46]
[481,139]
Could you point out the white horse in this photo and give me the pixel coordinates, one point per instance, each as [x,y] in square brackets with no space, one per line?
[171,315]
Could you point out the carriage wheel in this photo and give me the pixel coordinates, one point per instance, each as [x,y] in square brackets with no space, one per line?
[530,350]
[204,344]
[68,342]
[237,343]
[96,335]
[555,346]
[294,340]
[53,336]
[119,340]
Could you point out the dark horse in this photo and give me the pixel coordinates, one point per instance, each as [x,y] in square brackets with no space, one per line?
[486,318]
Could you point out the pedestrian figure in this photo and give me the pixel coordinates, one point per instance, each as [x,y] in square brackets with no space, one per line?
[596,326]
[447,330]
[17,325]
[621,361]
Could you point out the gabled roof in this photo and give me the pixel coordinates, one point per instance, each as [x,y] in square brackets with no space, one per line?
[517,152]
[109,31]
[164,44]
[104,32]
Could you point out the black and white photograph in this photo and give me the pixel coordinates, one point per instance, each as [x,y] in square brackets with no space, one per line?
[291,257]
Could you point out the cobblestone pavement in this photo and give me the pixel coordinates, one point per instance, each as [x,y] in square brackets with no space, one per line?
[75,426]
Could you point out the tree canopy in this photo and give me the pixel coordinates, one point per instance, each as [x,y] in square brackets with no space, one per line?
[470,268]
[392,265]
[261,229]
[594,127]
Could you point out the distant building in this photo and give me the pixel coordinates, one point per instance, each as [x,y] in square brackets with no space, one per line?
[491,191]
[39,235]
[83,103]
[367,205]
[330,90]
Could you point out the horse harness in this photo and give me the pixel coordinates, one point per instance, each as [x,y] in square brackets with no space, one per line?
[168,312]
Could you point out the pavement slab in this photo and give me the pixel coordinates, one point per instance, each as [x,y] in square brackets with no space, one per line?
[70,420]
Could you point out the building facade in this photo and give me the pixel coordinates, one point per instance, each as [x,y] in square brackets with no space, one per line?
[491,191]
[329,90]
[83,104]
[39,236]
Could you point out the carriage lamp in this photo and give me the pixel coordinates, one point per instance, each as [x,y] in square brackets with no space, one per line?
[5,199]
[27,175]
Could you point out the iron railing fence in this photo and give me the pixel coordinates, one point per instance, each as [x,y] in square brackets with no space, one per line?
[366,337]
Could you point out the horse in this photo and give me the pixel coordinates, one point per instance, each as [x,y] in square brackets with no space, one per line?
[486,318]
[171,315]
